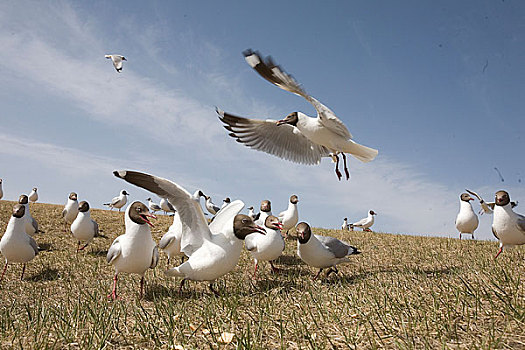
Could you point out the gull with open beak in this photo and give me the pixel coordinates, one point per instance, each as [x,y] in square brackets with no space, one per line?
[266,247]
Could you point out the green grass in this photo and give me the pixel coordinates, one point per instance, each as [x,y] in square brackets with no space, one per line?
[401,292]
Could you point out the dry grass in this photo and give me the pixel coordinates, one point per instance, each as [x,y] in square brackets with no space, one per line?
[402,292]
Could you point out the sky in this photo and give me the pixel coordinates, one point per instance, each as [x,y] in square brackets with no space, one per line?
[436,87]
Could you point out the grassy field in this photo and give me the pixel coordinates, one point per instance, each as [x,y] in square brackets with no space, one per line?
[401,292]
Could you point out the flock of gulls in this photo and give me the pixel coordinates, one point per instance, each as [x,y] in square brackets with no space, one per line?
[210,249]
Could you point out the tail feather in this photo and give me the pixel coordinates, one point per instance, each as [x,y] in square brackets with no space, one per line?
[363,153]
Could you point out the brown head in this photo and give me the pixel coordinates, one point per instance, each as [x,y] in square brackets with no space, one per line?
[465,197]
[83,206]
[266,205]
[291,119]
[19,210]
[139,214]
[34,189]
[273,223]
[243,225]
[304,232]
[372,212]
[294,199]
[23,199]
[73,196]
[227,200]
[502,198]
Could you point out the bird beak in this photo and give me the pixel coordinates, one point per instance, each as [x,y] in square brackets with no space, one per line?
[280,122]
[145,218]
[280,225]
[260,229]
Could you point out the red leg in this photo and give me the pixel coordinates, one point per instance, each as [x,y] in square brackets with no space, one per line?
[499,252]
[3,273]
[274,269]
[255,271]
[113,294]
[23,270]
[83,246]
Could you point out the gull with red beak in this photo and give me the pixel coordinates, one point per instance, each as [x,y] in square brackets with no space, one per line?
[212,250]
[507,226]
[266,247]
[298,137]
[135,251]
[466,221]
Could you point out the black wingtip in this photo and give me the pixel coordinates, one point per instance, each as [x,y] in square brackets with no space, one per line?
[120,173]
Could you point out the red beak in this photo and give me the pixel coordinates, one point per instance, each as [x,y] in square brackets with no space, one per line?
[145,218]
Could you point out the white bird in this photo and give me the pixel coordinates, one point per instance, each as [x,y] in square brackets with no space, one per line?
[507,226]
[170,242]
[210,206]
[488,207]
[251,213]
[344,226]
[154,207]
[33,196]
[84,229]
[212,250]
[466,220]
[117,61]
[135,251]
[225,202]
[118,202]
[321,251]
[70,212]
[266,210]
[298,138]
[365,223]
[1,190]
[290,216]
[16,245]
[31,225]
[266,247]
[166,206]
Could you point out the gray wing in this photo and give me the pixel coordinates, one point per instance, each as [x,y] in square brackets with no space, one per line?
[154,258]
[33,244]
[494,232]
[284,141]
[35,224]
[521,223]
[339,248]
[114,251]
[115,200]
[96,228]
[166,240]
[277,76]
[170,206]
[64,212]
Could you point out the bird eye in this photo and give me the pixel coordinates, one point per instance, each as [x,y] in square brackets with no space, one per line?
[244,221]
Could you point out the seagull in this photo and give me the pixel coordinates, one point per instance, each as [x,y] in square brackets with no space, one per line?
[118,202]
[16,245]
[251,213]
[212,250]
[507,226]
[135,251]
[70,211]
[170,242]
[1,190]
[298,137]
[154,207]
[266,247]
[31,225]
[84,229]
[290,216]
[33,196]
[365,223]
[487,208]
[466,220]
[117,61]
[266,210]
[321,251]
[212,208]
[344,226]
[225,202]
[166,206]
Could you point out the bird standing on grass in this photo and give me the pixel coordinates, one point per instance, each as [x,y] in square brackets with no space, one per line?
[84,229]
[466,220]
[33,196]
[118,202]
[507,226]
[31,225]
[154,207]
[290,216]
[210,206]
[16,245]
[365,223]
[344,226]
[170,242]
[212,250]
[166,206]
[266,247]
[266,210]
[135,251]
[70,211]
[321,251]
[298,137]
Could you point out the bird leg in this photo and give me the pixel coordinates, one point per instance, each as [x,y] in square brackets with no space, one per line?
[182,259]
[255,271]
[274,269]
[84,247]
[347,173]
[23,270]
[181,285]
[499,252]
[337,172]
[332,269]
[460,236]
[3,273]
[142,287]
[213,290]
[316,276]
[113,294]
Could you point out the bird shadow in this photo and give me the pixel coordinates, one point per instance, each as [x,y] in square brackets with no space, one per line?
[98,252]
[267,285]
[48,274]
[45,247]
[289,260]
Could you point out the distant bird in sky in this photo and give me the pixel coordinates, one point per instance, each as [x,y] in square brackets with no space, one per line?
[266,210]
[83,228]
[210,206]
[135,251]
[118,202]
[16,245]
[31,225]
[290,216]
[70,211]
[212,250]
[344,226]
[322,251]
[466,220]
[170,242]
[166,206]
[507,226]
[117,61]
[154,207]
[298,137]
[365,223]
[266,247]
[33,196]
[499,174]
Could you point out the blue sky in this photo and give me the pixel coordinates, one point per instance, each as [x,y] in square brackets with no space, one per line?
[436,87]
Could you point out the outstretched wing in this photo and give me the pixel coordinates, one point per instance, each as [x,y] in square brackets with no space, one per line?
[277,76]
[284,141]
[194,226]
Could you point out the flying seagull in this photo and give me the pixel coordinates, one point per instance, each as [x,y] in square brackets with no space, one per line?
[298,137]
